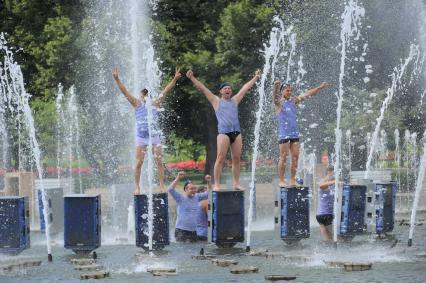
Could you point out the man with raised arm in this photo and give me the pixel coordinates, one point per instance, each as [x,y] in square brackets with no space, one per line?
[229,133]
[143,132]
[187,208]
[288,130]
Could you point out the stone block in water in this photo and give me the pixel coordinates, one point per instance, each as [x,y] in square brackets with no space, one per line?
[14,224]
[244,270]
[353,266]
[82,222]
[203,257]
[55,199]
[95,275]
[385,194]
[352,220]
[159,270]
[294,213]
[160,237]
[83,261]
[224,262]
[227,218]
[279,277]
[90,267]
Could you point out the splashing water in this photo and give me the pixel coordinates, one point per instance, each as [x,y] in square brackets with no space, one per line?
[351,25]
[419,184]
[396,76]
[407,165]
[398,164]
[271,52]
[14,93]
[153,76]
[60,117]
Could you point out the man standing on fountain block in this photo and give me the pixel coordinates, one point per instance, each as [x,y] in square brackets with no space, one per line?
[142,127]
[288,132]
[229,136]
[187,208]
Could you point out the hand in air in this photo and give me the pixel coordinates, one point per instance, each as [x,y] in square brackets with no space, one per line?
[258,73]
[277,83]
[180,175]
[115,73]
[178,75]
[323,85]
[189,74]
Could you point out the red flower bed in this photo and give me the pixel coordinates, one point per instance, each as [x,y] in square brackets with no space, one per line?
[187,165]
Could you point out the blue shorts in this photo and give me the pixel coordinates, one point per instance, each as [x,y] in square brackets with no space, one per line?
[155,140]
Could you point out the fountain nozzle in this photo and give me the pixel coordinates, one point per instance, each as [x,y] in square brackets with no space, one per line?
[247,249]
[49,258]
[410,242]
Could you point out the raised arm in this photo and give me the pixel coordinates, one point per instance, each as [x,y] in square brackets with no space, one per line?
[325,183]
[168,88]
[276,94]
[213,99]
[246,87]
[179,176]
[311,92]
[133,100]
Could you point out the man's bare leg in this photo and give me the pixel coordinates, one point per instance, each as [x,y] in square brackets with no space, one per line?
[158,155]
[284,150]
[325,232]
[294,151]
[140,154]
[236,147]
[222,149]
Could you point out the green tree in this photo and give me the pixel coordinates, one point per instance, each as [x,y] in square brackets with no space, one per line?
[219,40]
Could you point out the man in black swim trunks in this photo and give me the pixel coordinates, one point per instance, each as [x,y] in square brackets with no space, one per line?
[229,136]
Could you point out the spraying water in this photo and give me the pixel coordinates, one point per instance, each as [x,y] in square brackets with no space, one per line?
[349,143]
[396,82]
[271,52]
[15,93]
[153,76]
[60,118]
[74,134]
[419,184]
[398,164]
[351,24]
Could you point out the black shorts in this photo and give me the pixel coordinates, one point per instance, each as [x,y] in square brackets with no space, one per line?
[185,236]
[325,219]
[281,141]
[232,136]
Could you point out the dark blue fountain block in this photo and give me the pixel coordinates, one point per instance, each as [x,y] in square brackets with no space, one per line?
[82,222]
[14,224]
[227,218]
[385,195]
[160,236]
[294,213]
[352,220]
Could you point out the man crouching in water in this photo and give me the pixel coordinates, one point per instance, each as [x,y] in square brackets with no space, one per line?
[187,208]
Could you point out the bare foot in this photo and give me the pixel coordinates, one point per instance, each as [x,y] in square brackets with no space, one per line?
[239,188]
[282,184]
[137,191]
[216,188]
[162,189]
[294,183]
